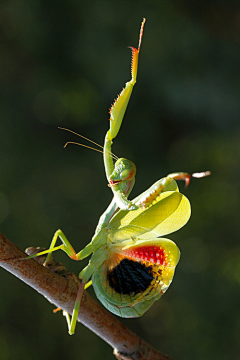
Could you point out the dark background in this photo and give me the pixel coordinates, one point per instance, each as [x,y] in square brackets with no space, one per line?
[61,64]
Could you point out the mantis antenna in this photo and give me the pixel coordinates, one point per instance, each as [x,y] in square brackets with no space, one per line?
[89,147]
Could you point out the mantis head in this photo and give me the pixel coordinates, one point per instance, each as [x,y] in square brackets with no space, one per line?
[124,170]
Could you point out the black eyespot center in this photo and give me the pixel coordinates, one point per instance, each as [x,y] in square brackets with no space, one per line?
[130,277]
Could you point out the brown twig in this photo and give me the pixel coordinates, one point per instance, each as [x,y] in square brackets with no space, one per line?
[62,292]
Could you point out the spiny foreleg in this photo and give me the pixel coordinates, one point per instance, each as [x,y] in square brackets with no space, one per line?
[166,184]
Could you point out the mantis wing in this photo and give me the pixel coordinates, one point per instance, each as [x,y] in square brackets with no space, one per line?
[169,213]
[134,277]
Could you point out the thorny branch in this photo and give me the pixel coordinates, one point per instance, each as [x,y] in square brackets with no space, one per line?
[62,292]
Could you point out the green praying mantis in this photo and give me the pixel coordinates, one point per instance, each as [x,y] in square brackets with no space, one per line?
[131,265]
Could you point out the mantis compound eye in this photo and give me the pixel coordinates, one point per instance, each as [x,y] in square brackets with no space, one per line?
[127,174]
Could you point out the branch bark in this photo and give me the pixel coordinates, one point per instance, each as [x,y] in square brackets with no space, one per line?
[62,292]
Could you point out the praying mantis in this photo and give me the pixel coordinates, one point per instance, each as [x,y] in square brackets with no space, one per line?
[131,265]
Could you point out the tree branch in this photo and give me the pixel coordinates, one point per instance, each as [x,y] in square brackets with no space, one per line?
[62,292]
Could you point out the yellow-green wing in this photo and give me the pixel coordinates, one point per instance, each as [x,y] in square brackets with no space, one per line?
[168,214]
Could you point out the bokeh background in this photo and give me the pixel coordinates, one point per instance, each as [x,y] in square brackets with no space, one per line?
[61,64]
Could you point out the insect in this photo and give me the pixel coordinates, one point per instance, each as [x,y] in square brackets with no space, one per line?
[131,265]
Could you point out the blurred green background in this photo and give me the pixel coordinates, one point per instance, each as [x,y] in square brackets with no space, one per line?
[61,64]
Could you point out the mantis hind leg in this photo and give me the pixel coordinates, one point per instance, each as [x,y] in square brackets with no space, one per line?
[71,322]
[66,247]
[97,259]
[69,250]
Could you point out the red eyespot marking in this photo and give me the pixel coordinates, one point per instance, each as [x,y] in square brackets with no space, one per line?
[152,254]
